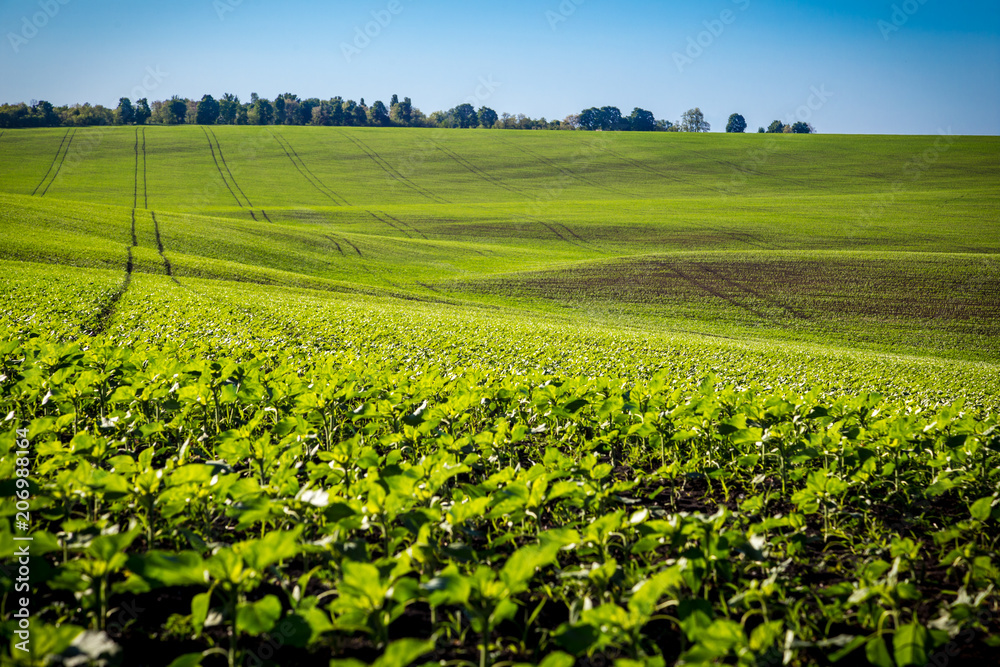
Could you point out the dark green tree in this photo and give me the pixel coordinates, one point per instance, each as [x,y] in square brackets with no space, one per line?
[125,113]
[802,128]
[642,121]
[488,117]
[465,116]
[776,127]
[378,115]
[261,112]
[737,124]
[611,119]
[229,105]
[208,111]
[176,111]
[279,110]
[337,114]
[590,119]
[142,111]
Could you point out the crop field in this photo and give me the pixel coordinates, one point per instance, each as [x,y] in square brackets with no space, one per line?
[338,396]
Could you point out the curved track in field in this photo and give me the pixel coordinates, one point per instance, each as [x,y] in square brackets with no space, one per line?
[57,162]
[392,172]
[307,173]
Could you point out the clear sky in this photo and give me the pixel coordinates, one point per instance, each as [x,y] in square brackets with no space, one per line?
[851,66]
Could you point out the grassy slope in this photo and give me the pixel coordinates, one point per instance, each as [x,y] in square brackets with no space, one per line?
[882,243]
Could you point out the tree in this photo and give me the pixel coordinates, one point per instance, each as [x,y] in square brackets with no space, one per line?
[611,119]
[261,113]
[590,119]
[361,114]
[464,116]
[142,111]
[176,111]
[642,121]
[802,128]
[761,130]
[776,127]
[279,110]
[693,120]
[488,117]
[737,124]
[378,114]
[228,107]
[303,110]
[125,114]
[337,113]
[208,111]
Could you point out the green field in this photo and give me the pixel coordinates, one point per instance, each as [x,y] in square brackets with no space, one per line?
[481,397]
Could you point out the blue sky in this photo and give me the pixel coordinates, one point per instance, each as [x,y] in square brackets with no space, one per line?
[915,67]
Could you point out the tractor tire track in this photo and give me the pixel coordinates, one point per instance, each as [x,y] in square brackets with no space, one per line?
[135,181]
[331,240]
[794,312]
[356,248]
[264,213]
[489,178]
[384,221]
[392,172]
[145,180]
[62,161]
[566,172]
[219,168]
[307,173]
[159,247]
[228,170]
[54,160]
[405,224]
[571,232]
[714,292]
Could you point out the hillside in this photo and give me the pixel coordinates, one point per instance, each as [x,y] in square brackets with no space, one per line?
[349,397]
[875,243]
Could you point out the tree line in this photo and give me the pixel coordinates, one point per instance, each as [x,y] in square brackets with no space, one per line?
[289,109]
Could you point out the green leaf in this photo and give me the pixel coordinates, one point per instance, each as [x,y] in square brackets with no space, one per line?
[165,569]
[981,509]
[557,659]
[400,653]
[187,660]
[877,653]
[521,566]
[258,617]
[274,547]
[909,645]
[199,610]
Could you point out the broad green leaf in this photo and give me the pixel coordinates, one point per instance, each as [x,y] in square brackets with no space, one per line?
[909,644]
[258,617]
[878,653]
